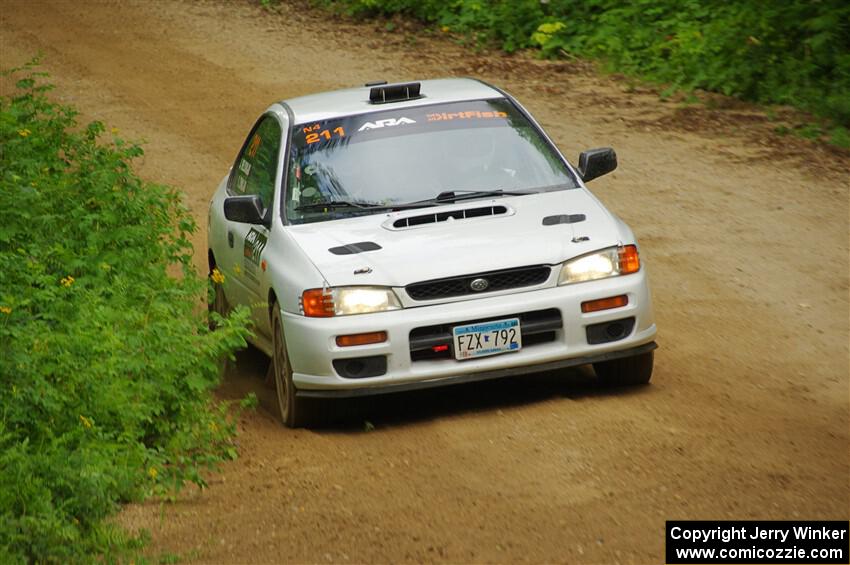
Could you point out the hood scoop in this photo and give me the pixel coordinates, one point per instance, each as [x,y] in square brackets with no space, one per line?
[419,220]
[352,248]
[563,219]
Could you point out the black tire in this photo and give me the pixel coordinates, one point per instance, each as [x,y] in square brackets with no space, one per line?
[292,410]
[626,371]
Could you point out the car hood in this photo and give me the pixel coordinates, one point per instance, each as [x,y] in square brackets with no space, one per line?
[460,246]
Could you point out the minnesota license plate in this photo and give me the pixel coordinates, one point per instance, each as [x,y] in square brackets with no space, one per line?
[486,338]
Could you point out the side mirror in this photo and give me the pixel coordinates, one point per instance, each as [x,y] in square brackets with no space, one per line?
[596,162]
[244,209]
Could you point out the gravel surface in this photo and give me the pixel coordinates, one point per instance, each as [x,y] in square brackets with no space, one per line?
[745,235]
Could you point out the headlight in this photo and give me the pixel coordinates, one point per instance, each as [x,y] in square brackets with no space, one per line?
[345,300]
[602,264]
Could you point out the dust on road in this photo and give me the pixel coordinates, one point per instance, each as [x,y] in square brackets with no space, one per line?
[745,236]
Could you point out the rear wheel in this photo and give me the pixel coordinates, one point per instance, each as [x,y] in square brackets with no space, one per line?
[626,371]
[291,409]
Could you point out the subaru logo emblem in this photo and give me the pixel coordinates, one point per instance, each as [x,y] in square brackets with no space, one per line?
[479,284]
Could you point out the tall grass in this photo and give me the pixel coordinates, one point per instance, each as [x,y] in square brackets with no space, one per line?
[106,362]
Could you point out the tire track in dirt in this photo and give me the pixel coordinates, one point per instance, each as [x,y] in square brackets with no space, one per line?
[748,255]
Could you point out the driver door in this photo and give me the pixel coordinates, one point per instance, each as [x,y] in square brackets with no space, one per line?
[254,173]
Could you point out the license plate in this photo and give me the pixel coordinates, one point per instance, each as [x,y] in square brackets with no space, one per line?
[486,338]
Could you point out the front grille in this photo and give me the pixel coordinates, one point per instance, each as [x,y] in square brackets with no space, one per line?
[538,326]
[461,286]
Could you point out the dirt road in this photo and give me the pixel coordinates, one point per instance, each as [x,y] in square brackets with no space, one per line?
[745,235]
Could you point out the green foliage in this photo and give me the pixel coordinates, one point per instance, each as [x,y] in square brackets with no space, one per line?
[841,137]
[795,52]
[107,363]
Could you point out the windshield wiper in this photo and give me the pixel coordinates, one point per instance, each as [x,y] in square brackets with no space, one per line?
[333,204]
[446,196]
[456,195]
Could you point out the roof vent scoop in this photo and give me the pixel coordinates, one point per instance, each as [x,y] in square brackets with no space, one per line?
[394,93]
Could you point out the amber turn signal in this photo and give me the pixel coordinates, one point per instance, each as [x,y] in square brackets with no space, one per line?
[317,303]
[604,303]
[361,339]
[629,260]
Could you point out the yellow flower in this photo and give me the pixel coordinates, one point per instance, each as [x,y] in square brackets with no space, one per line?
[5,310]
[24,132]
[87,423]
[237,269]
[67,281]
[216,276]
[114,131]
[444,29]
[152,472]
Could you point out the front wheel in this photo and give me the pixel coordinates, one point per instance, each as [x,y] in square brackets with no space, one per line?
[291,409]
[626,371]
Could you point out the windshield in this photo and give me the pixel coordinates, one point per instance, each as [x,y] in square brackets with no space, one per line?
[371,162]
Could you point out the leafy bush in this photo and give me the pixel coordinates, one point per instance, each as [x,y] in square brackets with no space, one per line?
[106,362]
[795,52]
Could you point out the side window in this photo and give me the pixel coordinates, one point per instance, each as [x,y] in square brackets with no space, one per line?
[256,167]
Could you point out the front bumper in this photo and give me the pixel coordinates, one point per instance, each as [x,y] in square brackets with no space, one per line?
[311,342]
[474,377]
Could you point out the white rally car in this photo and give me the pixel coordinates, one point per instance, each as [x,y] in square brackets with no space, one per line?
[402,236]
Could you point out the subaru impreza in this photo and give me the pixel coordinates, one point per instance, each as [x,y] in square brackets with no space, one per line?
[401,236]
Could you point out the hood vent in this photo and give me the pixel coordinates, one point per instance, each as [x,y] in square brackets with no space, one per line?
[353,248]
[563,219]
[435,217]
